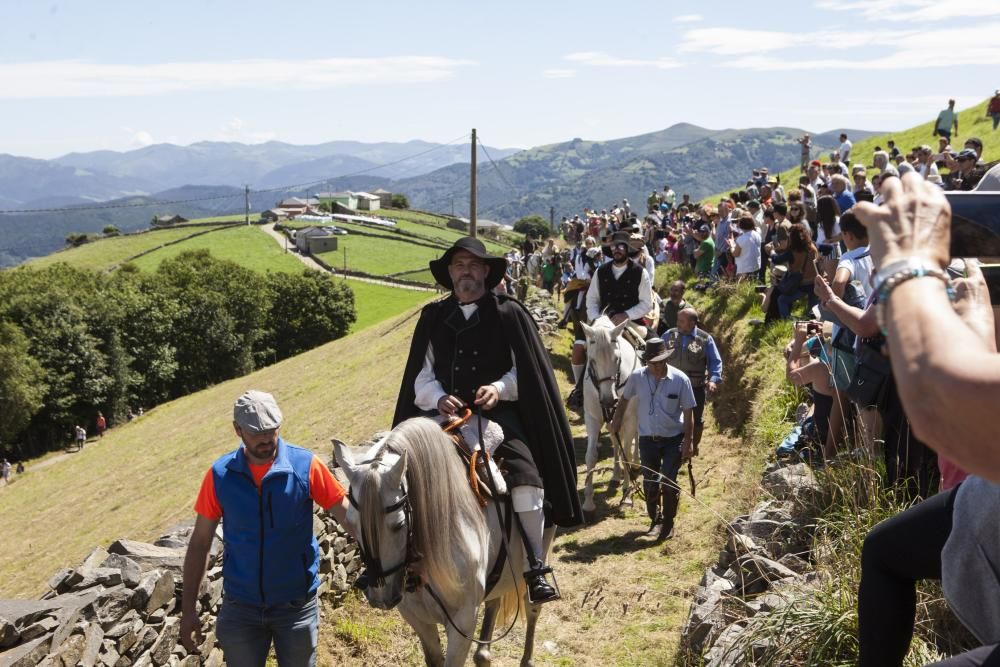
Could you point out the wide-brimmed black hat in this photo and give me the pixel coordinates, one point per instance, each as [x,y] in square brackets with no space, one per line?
[498,265]
[656,350]
[619,237]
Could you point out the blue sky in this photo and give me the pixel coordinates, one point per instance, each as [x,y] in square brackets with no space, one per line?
[92,74]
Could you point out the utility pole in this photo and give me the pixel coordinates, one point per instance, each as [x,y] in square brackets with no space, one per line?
[472,189]
[246,202]
[552,217]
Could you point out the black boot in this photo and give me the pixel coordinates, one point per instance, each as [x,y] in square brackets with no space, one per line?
[575,399]
[653,507]
[671,498]
[539,590]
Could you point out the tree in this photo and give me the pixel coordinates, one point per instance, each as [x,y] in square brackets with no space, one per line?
[77,239]
[399,200]
[22,385]
[308,310]
[111,230]
[535,225]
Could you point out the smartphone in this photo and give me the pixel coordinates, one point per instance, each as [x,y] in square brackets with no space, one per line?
[975,224]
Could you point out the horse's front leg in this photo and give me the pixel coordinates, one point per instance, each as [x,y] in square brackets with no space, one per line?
[457,651]
[430,641]
[482,656]
[629,441]
[531,611]
[593,422]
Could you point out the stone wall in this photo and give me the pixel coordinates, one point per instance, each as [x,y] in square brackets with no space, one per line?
[764,567]
[121,606]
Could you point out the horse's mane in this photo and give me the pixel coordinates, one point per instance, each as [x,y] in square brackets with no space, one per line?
[444,507]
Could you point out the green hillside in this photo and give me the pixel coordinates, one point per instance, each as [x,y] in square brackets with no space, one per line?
[248,246]
[108,252]
[972,122]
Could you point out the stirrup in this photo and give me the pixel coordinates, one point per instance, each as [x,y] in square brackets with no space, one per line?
[541,572]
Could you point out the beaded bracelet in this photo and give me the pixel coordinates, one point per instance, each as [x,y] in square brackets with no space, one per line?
[897,278]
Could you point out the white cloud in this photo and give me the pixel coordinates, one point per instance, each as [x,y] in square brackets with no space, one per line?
[142,138]
[689,18]
[559,73]
[885,49]
[602,59]
[76,78]
[915,11]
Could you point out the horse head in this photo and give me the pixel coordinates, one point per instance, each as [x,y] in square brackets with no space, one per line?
[604,359]
[381,510]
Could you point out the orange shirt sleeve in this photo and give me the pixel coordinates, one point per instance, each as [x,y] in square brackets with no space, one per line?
[207,505]
[324,488]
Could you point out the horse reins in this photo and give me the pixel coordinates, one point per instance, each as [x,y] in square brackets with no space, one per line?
[373,566]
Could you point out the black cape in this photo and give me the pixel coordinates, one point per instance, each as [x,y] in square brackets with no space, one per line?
[539,403]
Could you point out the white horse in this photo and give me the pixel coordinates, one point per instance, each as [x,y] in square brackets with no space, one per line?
[418,518]
[610,360]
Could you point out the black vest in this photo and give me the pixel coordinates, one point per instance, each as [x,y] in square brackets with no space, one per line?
[619,295]
[470,353]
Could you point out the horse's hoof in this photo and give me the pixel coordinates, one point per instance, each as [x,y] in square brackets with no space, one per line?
[589,516]
[483,658]
[613,485]
[626,501]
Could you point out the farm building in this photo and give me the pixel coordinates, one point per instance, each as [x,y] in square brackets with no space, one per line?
[384,196]
[368,201]
[315,240]
[274,215]
[346,199]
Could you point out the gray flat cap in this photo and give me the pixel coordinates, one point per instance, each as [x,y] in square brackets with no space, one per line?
[257,411]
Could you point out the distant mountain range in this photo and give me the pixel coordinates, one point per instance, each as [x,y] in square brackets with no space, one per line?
[565,176]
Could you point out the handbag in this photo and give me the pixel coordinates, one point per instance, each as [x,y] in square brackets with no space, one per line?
[843,359]
[792,280]
[870,374]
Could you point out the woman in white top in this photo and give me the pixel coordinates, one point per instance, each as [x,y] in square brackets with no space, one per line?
[828,221]
[746,249]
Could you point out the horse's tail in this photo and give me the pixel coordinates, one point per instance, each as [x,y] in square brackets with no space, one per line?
[512,603]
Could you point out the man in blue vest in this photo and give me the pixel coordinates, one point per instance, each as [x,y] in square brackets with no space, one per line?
[265,490]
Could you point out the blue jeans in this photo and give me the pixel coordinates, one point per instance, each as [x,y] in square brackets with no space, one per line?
[245,632]
[996,119]
[662,455]
[785,302]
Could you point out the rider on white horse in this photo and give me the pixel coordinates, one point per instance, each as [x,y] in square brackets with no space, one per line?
[621,289]
[482,350]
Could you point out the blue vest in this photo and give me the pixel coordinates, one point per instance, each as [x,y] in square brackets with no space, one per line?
[271,555]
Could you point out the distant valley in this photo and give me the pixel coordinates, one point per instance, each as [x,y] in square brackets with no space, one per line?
[512,183]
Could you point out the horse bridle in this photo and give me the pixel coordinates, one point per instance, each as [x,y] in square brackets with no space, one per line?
[597,381]
[373,565]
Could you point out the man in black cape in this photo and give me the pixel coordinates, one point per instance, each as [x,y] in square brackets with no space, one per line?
[479,349]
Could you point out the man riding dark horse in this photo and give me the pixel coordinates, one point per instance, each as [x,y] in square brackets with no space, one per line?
[479,349]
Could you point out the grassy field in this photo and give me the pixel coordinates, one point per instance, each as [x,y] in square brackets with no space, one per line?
[108,252]
[375,303]
[378,256]
[972,122]
[247,246]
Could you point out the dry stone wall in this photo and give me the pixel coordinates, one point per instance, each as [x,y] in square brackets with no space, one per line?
[121,606]
[764,567]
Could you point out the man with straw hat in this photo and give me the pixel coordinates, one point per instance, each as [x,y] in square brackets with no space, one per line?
[666,431]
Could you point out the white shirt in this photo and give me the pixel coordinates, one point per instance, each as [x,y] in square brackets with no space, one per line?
[635,312]
[861,269]
[821,233]
[748,260]
[429,390]
[845,150]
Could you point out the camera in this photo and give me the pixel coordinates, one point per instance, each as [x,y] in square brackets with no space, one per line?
[975,232]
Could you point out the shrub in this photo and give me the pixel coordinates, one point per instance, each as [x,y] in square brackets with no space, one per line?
[111,230]
[535,225]
[400,201]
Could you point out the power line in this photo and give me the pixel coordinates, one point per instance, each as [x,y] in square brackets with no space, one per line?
[496,166]
[295,186]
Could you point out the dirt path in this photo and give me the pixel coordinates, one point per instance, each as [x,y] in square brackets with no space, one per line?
[313,264]
[625,597]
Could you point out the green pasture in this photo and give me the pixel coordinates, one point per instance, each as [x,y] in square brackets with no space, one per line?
[248,246]
[378,256]
[107,252]
[375,303]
